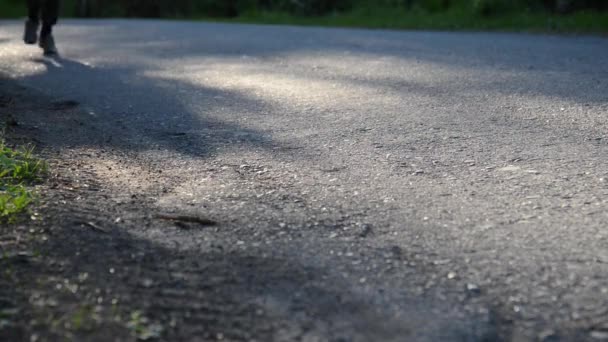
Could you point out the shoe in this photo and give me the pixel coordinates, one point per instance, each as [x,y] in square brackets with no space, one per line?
[47,43]
[30,36]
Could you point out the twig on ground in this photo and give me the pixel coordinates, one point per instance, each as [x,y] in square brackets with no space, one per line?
[94,226]
[185,218]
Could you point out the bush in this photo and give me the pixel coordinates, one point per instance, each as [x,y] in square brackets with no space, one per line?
[494,7]
[232,8]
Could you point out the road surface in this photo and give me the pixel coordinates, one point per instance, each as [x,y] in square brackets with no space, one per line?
[368,185]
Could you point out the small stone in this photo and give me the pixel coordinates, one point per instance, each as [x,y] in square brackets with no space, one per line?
[147,283]
[509,168]
[441,262]
[473,289]
[366,230]
[452,275]
[418,172]
[547,336]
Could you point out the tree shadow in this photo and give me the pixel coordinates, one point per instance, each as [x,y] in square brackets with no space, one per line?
[205,119]
[194,117]
[141,113]
[531,64]
[218,292]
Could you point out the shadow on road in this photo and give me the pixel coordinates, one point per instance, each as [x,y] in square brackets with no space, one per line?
[161,120]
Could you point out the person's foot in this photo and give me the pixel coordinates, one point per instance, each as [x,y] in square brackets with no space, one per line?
[47,43]
[30,36]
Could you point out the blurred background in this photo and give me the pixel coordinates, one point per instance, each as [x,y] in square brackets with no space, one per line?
[543,15]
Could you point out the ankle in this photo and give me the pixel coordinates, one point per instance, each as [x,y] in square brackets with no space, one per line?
[46,31]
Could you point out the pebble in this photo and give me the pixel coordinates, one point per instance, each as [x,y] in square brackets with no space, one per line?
[366,229]
[441,262]
[547,335]
[147,282]
[473,288]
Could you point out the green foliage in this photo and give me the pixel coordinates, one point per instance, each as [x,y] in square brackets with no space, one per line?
[530,15]
[16,168]
[495,7]
[13,201]
[234,8]
[302,8]
[453,19]
[142,328]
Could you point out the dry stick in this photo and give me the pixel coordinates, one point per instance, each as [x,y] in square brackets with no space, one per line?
[183,218]
[94,226]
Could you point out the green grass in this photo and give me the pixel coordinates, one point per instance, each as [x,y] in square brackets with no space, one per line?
[13,201]
[454,19]
[18,167]
[142,328]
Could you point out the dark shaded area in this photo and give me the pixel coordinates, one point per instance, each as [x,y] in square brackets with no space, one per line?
[167,120]
[90,274]
[233,8]
[547,69]
[181,129]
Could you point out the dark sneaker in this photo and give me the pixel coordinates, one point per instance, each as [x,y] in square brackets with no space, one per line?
[47,43]
[30,36]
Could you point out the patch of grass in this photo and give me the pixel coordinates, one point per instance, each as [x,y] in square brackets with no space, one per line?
[141,327]
[18,167]
[84,319]
[13,201]
[458,18]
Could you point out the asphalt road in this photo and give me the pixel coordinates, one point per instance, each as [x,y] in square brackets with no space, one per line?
[388,186]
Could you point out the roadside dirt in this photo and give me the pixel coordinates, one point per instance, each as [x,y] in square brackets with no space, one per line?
[74,270]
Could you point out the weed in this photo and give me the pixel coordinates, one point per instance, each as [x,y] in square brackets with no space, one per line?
[17,166]
[141,327]
[84,319]
[13,200]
